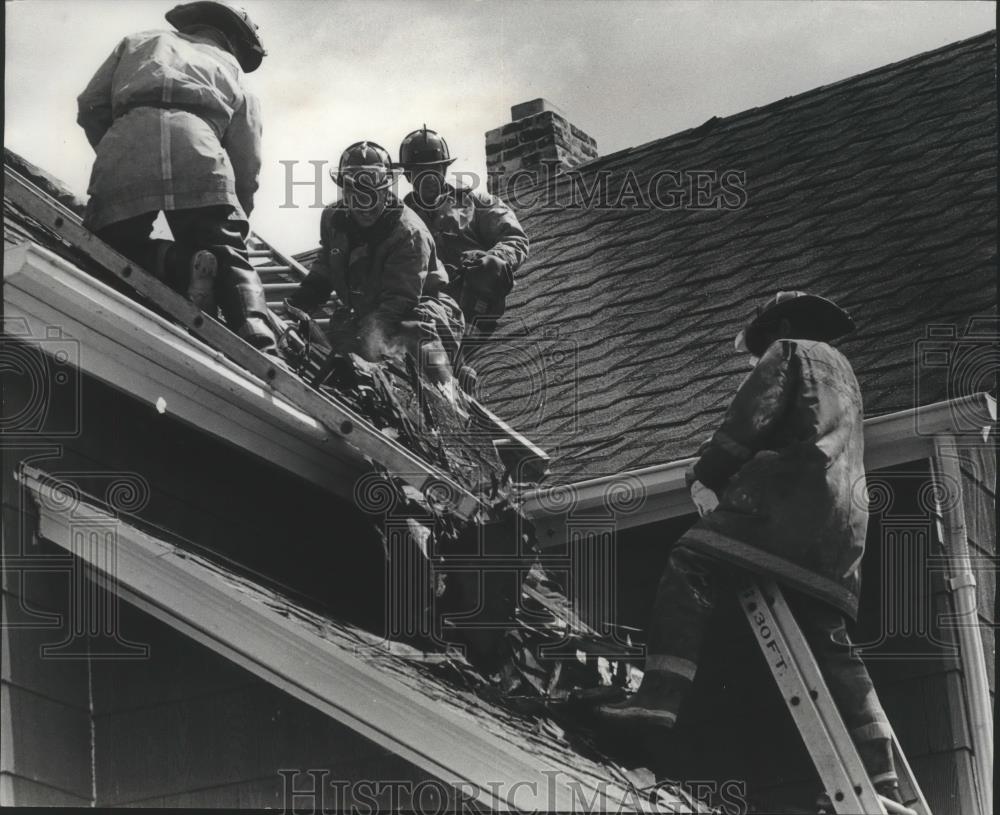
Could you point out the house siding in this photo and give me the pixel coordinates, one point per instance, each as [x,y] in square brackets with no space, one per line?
[978,466]
[44,701]
[178,725]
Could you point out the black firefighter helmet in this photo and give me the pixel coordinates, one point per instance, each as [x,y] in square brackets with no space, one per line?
[424,148]
[812,318]
[366,164]
[231,20]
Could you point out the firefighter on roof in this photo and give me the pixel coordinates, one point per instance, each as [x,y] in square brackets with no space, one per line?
[780,488]
[477,235]
[175,130]
[379,259]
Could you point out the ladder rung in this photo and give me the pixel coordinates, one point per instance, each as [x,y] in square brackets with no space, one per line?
[273,268]
[275,288]
[892,808]
[819,721]
[260,253]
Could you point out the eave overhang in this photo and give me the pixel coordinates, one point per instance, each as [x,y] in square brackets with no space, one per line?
[241,621]
[658,493]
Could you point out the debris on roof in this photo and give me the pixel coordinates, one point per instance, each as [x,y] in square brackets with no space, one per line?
[455,715]
[438,427]
[506,664]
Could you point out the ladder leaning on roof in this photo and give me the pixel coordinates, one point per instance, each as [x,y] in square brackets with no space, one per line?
[808,699]
[340,420]
[280,274]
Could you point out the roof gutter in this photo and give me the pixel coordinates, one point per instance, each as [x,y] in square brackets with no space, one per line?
[658,493]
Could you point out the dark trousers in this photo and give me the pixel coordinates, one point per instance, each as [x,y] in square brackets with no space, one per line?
[481,314]
[685,600]
[222,231]
[475,337]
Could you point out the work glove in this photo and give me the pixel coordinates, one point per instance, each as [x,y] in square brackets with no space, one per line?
[470,257]
[485,274]
[295,313]
[705,500]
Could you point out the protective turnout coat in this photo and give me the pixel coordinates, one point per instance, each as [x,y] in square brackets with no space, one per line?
[173,128]
[378,273]
[467,220]
[788,467]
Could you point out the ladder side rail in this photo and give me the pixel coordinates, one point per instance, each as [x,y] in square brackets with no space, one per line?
[344,424]
[808,699]
[910,789]
[286,260]
[908,783]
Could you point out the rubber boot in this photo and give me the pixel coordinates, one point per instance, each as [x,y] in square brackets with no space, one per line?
[201,289]
[162,257]
[890,790]
[876,755]
[655,703]
[258,333]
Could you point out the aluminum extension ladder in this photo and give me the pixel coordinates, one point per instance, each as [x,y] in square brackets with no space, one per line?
[808,699]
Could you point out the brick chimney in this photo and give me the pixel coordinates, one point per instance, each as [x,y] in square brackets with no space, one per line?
[538,132]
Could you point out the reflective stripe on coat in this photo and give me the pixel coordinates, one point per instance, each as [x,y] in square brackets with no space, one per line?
[205,153]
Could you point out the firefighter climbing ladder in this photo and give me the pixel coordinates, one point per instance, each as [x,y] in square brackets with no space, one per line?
[808,699]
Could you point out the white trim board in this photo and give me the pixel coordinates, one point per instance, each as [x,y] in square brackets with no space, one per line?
[442,739]
[135,350]
[356,431]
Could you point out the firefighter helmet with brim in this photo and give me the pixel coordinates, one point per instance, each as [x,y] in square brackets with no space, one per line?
[231,20]
[812,318]
[424,148]
[364,163]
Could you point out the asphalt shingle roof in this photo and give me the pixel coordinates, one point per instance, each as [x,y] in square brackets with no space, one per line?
[879,191]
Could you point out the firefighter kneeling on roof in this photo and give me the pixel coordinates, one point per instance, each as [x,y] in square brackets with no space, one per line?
[379,259]
[780,491]
[477,235]
[175,130]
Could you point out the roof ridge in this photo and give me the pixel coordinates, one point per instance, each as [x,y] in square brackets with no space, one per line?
[715,122]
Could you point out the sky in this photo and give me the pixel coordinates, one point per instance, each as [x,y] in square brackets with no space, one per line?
[625,71]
